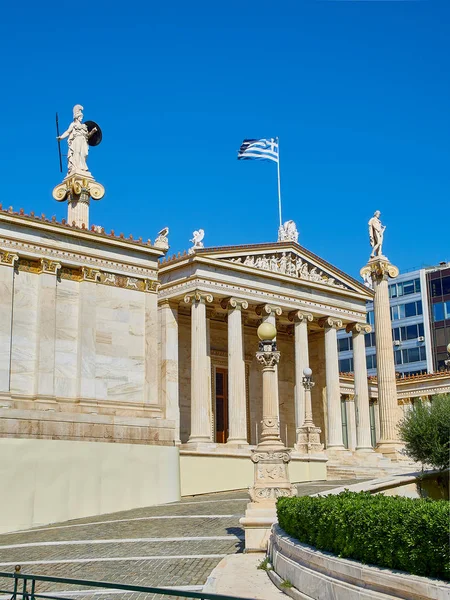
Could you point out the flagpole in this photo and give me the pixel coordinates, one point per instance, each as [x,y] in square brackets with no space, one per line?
[279,186]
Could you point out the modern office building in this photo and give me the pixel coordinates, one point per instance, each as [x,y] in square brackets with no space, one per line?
[420,313]
[438,282]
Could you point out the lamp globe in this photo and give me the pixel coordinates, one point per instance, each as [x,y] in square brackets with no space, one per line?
[266,332]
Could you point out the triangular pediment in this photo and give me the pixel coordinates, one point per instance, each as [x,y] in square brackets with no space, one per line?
[286,259]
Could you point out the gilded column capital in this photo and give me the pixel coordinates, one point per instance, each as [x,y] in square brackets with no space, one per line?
[48,266]
[379,269]
[265,310]
[198,296]
[8,258]
[298,316]
[151,286]
[234,303]
[358,328]
[89,274]
[330,323]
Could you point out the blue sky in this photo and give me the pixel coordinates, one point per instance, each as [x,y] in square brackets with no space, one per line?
[357,91]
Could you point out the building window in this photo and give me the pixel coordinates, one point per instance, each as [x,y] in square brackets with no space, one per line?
[409,332]
[371,361]
[346,365]
[371,317]
[404,289]
[441,311]
[345,344]
[409,355]
[446,285]
[403,311]
[369,340]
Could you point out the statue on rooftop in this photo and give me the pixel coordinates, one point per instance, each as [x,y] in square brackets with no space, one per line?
[288,232]
[376,234]
[197,238]
[79,136]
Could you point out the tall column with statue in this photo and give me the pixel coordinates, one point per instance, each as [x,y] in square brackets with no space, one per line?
[79,186]
[378,271]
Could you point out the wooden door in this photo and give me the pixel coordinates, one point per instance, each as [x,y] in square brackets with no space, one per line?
[221,405]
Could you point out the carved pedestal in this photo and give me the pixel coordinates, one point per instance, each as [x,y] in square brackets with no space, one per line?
[308,440]
[78,189]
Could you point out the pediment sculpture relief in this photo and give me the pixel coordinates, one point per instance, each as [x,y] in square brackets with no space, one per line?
[288,263]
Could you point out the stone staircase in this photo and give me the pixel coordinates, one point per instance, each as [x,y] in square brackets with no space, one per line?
[347,465]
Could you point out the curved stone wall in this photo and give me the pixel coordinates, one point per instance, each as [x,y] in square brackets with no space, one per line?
[316,575]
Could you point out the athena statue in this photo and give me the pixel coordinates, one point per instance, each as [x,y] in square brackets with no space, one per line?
[78,136]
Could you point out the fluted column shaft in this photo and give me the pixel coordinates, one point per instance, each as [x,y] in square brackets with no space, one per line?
[332,380]
[387,388]
[270,433]
[363,440]
[200,389]
[301,320]
[237,397]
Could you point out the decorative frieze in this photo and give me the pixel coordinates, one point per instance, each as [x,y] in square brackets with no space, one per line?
[288,263]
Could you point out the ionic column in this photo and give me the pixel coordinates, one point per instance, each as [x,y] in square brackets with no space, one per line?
[332,381]
[152,365]
[7,260]
[300,320]
[380,270]
[169,364]
[237,398]
[87,314]
[363,441]
[268,313]
[200,388]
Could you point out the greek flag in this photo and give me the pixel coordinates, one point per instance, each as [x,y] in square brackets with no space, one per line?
[259,149]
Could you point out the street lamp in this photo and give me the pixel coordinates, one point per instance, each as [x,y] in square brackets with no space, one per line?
[308,434]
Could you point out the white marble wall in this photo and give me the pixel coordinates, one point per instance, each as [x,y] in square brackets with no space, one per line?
[6,304]
[24,352]
[67,340]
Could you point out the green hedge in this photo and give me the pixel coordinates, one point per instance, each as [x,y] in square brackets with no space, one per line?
[407,534]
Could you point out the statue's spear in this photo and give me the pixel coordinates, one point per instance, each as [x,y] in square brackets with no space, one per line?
[59,143]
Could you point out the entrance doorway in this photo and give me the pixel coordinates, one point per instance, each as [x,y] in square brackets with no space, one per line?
[221,384]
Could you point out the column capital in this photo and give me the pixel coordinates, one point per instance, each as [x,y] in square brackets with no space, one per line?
[8,258]
[298,316]
[358,328]
[379,269]
[232,303]
[168,303]
[197,297]
[268,359]
[330,323]
[48,266]
[264,310]
[90,274]
[151,286]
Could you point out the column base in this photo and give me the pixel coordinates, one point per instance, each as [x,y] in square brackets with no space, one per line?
[393,450]
[364,449]
[308,440]
[257,524]
[200,443]
[237,443]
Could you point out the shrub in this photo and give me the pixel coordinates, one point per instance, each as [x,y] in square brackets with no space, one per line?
[387,531]
[426,432]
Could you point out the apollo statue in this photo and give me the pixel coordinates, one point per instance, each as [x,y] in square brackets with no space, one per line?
[376,234]
[78,136]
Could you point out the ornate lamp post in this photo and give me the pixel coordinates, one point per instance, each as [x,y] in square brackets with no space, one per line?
[308,435]
[270,457]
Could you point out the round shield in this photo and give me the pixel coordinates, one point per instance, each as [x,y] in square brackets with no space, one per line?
[96,137]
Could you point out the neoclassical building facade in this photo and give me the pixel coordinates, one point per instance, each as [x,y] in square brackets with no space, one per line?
[151,362]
